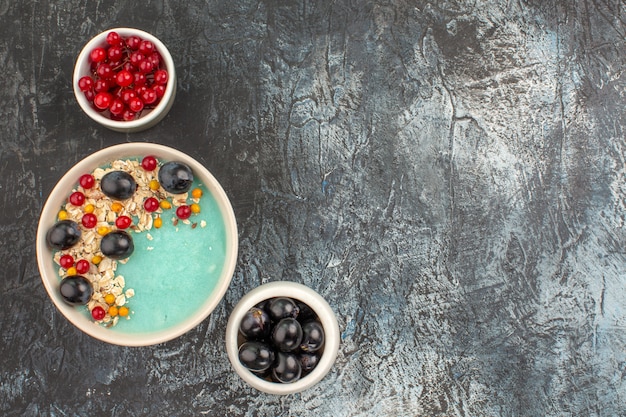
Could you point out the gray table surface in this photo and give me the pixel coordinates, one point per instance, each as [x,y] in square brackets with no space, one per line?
[449,175]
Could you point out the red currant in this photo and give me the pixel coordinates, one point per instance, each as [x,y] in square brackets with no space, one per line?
[159,90]
[77,198]
[98,54]
[129,115]
[124,78]
[140,79]
[102,100]
[66,261]
[146,66]
[155,58]
[114,53]
[114,39]
[146,47]
[149,96]
[104,70]
[136,58]
[98,313]
[86,181]
[82,266]
[89,220]
[117,107]
[85,83]
[128,94]
[140,90]
[101,86]
[183,212]
[151,204]
[149,163]
[90,95]
[123,222]
[135,104]
[161,76]
[133,42]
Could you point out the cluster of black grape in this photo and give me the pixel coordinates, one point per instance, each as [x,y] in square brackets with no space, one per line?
[283,340]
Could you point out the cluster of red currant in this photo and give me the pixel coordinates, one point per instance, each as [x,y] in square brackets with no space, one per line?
[127,76]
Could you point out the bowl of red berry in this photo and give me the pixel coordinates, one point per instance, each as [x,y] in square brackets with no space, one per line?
[137,244]
[282,338]
[125,79]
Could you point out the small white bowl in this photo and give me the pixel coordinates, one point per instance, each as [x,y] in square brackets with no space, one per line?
[48,269]
[148,117]
[298,292]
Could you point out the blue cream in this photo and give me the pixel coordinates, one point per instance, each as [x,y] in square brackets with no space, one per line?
[174,269]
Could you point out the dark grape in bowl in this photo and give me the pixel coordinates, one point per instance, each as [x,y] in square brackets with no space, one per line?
[282,338]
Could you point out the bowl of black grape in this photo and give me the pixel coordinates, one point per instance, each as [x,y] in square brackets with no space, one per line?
[282,338]
[124,79]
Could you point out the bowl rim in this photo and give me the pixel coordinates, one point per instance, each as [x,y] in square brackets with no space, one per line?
[304,294]
[149,118]
[59,194]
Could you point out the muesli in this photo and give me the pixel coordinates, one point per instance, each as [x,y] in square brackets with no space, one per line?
[96,226]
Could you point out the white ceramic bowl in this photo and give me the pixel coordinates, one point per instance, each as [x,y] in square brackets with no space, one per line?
[305,295]
[148,118]
[49,269]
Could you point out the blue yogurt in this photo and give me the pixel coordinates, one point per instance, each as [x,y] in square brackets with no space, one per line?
[173,273]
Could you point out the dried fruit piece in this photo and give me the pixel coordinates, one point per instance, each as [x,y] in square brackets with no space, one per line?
[109,299]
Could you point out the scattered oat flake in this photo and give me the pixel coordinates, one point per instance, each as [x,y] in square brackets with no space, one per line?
[120,300]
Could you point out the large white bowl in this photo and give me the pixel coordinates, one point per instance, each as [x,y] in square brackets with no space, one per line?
[298,292]
[49,270]
[148,118]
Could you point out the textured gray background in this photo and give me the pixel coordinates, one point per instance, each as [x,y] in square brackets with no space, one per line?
[450,175]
